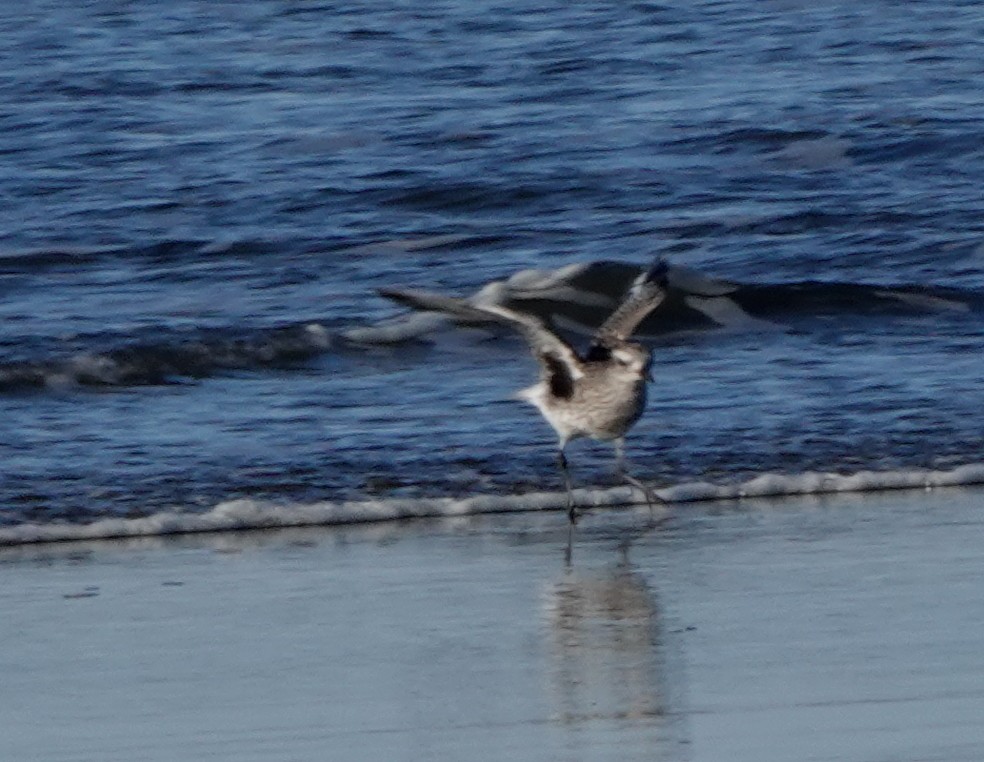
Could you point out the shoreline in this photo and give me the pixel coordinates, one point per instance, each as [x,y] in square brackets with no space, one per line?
[841,625]
[255,515]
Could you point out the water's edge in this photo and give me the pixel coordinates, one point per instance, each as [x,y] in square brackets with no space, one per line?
[247,514]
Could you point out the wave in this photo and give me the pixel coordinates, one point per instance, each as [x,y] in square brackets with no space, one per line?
[577,298]
[41,259]
[143,364]
[162,251]
[580,296]
[249,514]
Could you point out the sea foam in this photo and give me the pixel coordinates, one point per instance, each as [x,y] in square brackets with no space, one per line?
[248,514]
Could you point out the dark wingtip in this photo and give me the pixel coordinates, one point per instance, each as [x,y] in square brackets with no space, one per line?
[658,272]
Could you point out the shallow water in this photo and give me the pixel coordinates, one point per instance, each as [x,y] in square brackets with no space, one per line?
[199,199]
[842,628]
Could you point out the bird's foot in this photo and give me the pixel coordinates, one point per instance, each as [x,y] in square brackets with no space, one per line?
[652,499]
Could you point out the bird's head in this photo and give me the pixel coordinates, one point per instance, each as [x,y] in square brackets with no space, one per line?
[635,359]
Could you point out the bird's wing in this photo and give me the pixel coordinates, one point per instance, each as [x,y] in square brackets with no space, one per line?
[560,363]
[427,301]
[645,295]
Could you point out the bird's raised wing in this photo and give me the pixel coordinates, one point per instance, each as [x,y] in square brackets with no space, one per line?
[560,364]
[428,301]
[645,295]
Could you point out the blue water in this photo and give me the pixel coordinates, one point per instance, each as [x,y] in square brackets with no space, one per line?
[199,198]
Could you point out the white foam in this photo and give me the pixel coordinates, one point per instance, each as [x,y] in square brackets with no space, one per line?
[318,335]
[95,368]
[726,312]
[541,280]
[926,302]
[405,245]
[237,515]
[697,283]
[416,326]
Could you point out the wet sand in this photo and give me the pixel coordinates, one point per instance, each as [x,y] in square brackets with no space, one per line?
[835,628]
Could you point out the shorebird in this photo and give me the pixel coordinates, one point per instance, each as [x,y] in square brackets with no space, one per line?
[599,395]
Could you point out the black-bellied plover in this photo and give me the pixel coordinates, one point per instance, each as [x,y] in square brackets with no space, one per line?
[600,395]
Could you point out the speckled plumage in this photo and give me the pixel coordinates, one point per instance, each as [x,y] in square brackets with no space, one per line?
[603,404]
[602,394]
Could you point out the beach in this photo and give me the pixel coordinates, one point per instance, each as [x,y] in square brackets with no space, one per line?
[825,628]
[267,494]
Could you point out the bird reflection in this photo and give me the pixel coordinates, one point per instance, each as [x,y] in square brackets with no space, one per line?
[611,656]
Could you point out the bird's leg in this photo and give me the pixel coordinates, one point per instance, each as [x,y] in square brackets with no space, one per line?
[562,461]
[651,497]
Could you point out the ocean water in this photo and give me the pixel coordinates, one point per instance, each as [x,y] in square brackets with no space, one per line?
[200,201]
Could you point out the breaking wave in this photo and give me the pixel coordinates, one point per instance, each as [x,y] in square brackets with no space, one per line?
[580,296]
[142,364]
[577,298]
[249,514]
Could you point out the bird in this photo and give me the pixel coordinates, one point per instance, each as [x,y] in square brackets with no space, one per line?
[600,394]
